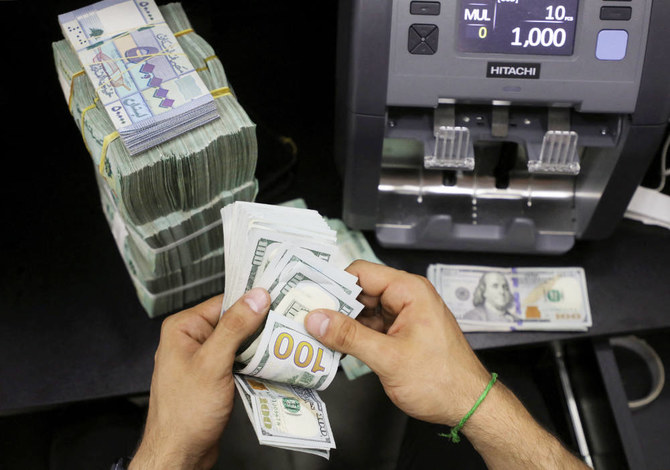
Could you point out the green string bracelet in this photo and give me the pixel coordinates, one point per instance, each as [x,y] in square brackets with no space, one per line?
[453,434]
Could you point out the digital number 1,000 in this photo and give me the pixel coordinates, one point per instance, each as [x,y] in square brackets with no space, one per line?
[546,37]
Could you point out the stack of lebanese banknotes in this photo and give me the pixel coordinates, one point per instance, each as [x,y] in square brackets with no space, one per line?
[144,80]
[162,203]
[510,299]
[289,252]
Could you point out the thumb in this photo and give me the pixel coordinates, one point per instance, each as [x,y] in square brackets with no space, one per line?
[342,333]
[242,319]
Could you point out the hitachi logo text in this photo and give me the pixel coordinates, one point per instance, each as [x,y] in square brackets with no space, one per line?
[512,70]
[500,70]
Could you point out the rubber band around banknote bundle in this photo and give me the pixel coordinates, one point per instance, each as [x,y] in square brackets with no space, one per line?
[191,30]
[216,93]
[206,59]
[69,99]
[81,122]
[183,31]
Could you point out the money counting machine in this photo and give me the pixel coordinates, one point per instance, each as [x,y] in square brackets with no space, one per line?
[497,125]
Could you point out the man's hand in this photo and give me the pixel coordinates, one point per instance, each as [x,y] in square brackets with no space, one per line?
[429,371]
[423,361]
[192,387]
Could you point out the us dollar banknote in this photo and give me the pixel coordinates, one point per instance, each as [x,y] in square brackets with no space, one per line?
[298,287]
[289,251]
[288,354]
[285,416]
[508,299]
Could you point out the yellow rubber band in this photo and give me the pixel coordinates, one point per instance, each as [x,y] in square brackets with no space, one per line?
[103,154]
[83,114]
[219,92]
[182,32]
[202,69]
[69,99]
[81,126]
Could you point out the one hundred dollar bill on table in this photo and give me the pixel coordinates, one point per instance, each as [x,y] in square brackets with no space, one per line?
[288,251]
[510,299]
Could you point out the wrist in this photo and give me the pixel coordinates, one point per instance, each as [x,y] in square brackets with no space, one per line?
[466,391]
[498,415]
[506,435]
[152,456]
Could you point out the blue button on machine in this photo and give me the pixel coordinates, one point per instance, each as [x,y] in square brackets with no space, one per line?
[611,44]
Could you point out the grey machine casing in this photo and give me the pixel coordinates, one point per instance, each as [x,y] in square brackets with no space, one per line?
[395,109]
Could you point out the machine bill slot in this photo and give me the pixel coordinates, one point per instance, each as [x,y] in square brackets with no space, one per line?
[558,154]
[453,147]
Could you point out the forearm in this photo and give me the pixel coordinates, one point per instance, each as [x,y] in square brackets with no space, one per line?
[151,455]
[507,436]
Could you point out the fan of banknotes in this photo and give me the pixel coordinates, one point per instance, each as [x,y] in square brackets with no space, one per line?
[287,251]
[352,245]
[161,186]
[514,299]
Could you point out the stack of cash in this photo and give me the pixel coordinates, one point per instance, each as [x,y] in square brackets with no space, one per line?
[287,251]
[514,299]
[163,204]
[352,245]
[146,84]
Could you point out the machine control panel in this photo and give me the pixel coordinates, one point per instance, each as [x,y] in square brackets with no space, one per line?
[585,54]
[542,27]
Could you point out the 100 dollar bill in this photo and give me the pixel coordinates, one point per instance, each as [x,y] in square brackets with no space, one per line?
[285,416]
[299,284]
[507,299]
[288,354]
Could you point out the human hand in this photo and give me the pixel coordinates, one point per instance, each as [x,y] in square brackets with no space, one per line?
[192,387]
[429,371]
[424,362]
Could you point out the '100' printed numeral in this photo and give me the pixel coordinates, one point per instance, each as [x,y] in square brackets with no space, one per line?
[284,348]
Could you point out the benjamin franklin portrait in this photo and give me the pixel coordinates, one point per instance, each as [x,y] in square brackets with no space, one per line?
[492,300]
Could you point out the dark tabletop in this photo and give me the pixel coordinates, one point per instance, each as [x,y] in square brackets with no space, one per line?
[71,327]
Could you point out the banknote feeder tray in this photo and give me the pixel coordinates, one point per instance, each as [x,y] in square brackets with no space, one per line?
[519,127]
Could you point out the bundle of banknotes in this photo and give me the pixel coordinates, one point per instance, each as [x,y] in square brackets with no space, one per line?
[352,245]
[144,80]
[514,299]
[163,202]
[289,252]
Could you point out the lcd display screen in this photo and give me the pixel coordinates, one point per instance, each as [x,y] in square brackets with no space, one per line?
[545,27]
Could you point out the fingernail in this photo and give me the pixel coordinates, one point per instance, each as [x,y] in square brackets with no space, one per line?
[256,299]
[317,323]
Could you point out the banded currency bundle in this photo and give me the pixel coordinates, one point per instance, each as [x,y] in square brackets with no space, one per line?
[146,84]
[162,204]
[289,252]
[514,299]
